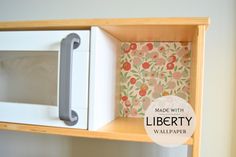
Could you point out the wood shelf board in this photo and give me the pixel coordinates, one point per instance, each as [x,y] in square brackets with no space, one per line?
[123,129]
[152,32]
[86,23]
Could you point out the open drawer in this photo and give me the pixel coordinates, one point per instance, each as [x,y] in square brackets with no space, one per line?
[44,77]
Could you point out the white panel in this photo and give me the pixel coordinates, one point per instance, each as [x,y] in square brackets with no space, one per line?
[102,95]
[39,40]
[44,114]
[38,115]
[80,72]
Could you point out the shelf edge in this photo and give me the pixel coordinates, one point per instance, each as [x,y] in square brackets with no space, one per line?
[78,133]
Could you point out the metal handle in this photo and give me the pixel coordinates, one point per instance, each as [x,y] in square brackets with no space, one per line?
[68,44]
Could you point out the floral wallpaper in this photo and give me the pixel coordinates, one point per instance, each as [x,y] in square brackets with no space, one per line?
[150,70]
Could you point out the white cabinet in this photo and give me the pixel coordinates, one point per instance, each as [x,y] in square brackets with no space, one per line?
[104,75]
[33,67]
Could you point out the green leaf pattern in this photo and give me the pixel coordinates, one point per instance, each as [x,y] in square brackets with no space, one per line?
[149,70]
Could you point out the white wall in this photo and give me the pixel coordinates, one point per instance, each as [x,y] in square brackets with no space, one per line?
[16,144]
[219,92]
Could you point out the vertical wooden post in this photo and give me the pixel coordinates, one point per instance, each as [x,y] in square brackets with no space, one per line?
[197,89]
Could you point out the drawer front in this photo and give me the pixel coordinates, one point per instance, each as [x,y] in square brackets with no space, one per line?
[38,115]
[39,40]
[32,73]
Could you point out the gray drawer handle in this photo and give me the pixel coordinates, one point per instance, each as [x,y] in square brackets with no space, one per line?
[68,44]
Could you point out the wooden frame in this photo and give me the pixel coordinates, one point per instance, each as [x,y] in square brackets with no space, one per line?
[168,29]
[197,85]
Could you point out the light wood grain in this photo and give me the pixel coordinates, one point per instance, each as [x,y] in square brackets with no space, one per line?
[87,23]
[152,33]
[196,87]
[123,129]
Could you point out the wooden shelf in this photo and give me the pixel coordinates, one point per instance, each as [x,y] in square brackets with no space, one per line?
[87,23]
[124,129]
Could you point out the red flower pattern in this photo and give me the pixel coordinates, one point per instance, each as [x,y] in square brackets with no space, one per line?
[149,46]
[152,70]
[124,98]
[170,66]
[126,50]
[145,65]
[132,80]
[126,66]
[142,92]
[162,49]
[172,59]
[133,46]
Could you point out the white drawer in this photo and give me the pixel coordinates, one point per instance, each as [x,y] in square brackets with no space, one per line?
[39,40]
[34,77]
